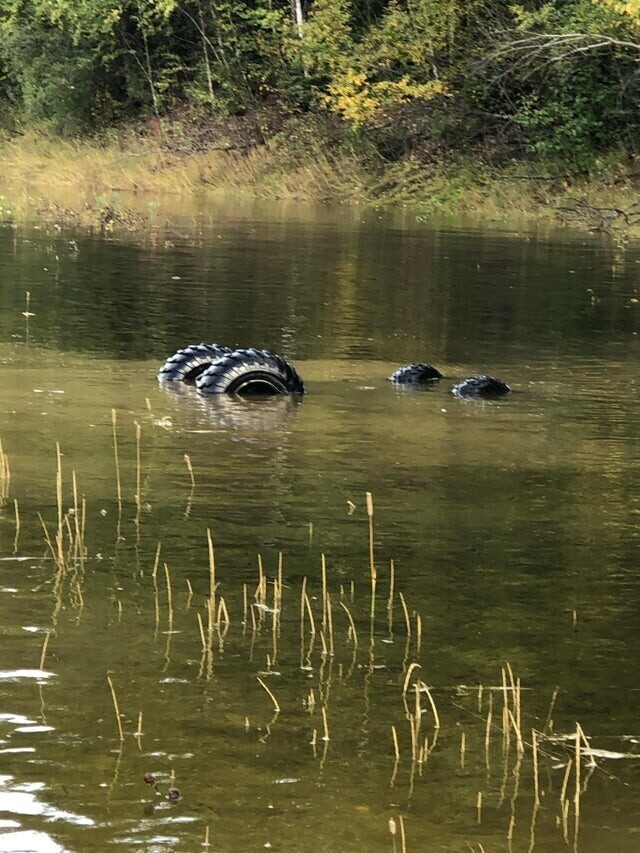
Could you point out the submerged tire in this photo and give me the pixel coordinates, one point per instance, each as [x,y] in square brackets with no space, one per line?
[250,372]
[187,364]
[418,373]
[481,386]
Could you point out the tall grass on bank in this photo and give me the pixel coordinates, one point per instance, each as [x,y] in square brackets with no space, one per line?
[119,183]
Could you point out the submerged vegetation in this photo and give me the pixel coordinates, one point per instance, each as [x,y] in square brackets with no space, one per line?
[452,106]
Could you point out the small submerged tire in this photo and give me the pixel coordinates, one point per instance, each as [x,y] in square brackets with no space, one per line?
[418,373]
[249,372]
[188,363]
[481,386]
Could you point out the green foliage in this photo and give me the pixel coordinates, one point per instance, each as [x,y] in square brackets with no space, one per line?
[558,78]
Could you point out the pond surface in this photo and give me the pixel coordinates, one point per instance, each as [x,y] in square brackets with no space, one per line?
[504,540]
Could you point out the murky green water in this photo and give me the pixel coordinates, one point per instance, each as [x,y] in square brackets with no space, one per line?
[512,527]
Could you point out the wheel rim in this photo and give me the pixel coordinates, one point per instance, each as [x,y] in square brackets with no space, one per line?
[257,384]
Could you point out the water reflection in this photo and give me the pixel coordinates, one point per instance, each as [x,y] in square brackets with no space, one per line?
[509,528]
[243,416]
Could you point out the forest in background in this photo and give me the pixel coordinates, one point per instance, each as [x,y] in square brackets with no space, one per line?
[427,81]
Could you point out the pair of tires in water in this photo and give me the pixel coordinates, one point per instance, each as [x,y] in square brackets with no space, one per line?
[250,372]
[220,370]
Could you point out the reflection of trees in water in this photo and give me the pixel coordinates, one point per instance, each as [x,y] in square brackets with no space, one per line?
[325,291]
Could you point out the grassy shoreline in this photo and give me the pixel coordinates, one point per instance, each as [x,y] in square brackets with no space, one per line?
[80,183]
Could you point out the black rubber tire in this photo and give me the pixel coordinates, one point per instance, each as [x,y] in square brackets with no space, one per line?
[481,386]
[250,372]
[418,373]
[187,364]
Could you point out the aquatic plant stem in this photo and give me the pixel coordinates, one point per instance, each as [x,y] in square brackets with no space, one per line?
[116,708]
[372,566]
[43,654]
[273,698]
[114,418]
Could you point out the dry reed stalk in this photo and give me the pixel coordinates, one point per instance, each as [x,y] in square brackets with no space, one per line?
[487,733]
[275,622]
[310,532]
[83,524]
[505,699]
[117,459]
[512,824]
[212,579]
[222,617]
[187,460]
[330,624]
[76,515]
[139,731]
[576,797]
[392,583]
[414,737]
[323,571]
[189,590]
[303,592]
[17,516]
[311,701]
[536,780]
[325,725]
[418,632]
[280,572]
[5,475]
[59,535]
[43,653]
[479,807]
[506,731]
[245,606]
[47,539]
[403,836]
[156,562]
[372,565]
[203,639]
[116,708]
[406,613]
[273,698]
[156,605]
[169,595]
[587,745]
[436,717]
[405,686]
[480,696]
[210,620]
[514,723]
[352,624]
[323,642]
[138,495]
[463,746]
[396,747]
[260,594]
[206,844]
[565,821]
[417,721]
[565,784]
